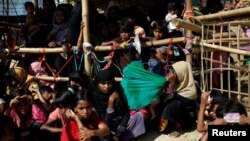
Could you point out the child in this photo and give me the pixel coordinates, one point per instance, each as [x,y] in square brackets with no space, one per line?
[83,123]
[227,106]
[52,128]
[124,40]
[27,116]
[173,9]
[46,97]
[208,104]
[64,101]
[29,7]
[154,61]
[155,56]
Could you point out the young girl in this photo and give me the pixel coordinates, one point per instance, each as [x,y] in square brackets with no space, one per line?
[46,98]
[173,12]
[155,56]
[52,128]
[27,116]
[83,123]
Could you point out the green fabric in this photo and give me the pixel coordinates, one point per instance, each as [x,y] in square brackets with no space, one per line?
[140,86]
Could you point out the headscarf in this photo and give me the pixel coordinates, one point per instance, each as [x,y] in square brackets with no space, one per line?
[37,69]
[103,76]
[186,86]
[19,73]
[101,99]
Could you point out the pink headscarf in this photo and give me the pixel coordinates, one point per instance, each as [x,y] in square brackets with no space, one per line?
[37,69]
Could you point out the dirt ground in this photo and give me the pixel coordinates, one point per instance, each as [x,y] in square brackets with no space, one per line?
[153,135]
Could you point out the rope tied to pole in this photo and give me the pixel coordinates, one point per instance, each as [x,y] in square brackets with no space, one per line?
[188,14]
[76,56]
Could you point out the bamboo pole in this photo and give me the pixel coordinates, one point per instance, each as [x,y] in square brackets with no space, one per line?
[224,14]
[244,69]
[86,36]
[226,49]
[146,44]
[36,4]
[11,28]
[226,40]
[235,92]
[40,50]
[234,23]
[188,14]
[56,79]
[238,62]
[179,23]
[51,78]
[224,34]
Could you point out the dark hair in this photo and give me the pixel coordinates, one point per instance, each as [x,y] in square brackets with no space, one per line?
[66,99]
[103,76]
[29,3]
[84,94]
[44,89]
[80,78]
[157,25]
[19,92]
[217,97]
[127,26]
[230,106]
[64,11]
[173,5]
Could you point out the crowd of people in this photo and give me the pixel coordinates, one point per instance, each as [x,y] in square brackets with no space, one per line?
[157,91]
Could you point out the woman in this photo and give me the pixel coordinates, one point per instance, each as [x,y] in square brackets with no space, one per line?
[175,110]
[112,107]
[83,123]
[59,37]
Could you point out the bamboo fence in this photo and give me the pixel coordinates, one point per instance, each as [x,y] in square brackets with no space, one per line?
[223,44]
